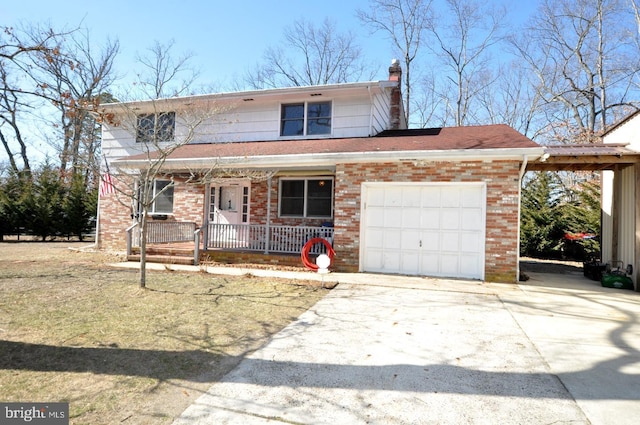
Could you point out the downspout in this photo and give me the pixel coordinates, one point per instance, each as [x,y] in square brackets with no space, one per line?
[268,225]
[523,169]
[370,111]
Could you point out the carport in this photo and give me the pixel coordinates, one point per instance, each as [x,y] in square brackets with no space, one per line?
[620,176]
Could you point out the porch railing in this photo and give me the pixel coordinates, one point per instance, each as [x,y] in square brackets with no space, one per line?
[240,237]
[262,238]
[170,231]
[162,232]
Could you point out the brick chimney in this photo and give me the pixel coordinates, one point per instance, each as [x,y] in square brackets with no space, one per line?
[397,121]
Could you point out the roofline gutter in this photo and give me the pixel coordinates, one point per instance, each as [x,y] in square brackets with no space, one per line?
[419,158]
[365,86]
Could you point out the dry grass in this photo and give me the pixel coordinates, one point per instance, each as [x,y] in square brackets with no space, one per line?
[72,329]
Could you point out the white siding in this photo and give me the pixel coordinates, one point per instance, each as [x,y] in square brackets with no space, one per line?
[626,224]
[607,220]
[626,235]
[627,133]
[380,113]
[259,120]
[351,117]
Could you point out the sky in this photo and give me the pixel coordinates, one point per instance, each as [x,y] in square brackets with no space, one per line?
[226,37]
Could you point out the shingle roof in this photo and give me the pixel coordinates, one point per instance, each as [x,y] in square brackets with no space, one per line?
[436,139]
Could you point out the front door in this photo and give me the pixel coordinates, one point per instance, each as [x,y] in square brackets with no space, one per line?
[229,203]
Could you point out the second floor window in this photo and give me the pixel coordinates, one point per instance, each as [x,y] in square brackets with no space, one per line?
[155,128]
[305,119]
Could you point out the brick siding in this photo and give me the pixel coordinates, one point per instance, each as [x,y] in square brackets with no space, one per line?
[501,178]
[502,183]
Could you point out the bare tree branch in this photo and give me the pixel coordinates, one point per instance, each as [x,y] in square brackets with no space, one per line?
[309,55]
[405,23]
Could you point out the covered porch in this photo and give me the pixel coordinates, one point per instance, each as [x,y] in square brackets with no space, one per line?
[186,243]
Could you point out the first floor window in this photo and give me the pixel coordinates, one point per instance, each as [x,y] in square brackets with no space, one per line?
[163,197]
[311,197]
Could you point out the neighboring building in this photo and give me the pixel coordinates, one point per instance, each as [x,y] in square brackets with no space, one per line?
[277,167]
[621,197]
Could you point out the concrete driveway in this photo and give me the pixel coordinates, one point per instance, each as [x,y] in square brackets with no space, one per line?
[399,350]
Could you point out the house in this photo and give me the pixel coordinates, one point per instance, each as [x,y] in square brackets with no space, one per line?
[275,168]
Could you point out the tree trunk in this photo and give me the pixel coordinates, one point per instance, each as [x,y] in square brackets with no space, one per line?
[143,250]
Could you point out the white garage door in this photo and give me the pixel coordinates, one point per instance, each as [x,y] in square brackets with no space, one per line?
[429,229]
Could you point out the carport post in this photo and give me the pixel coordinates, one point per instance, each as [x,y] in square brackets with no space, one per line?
[636,250]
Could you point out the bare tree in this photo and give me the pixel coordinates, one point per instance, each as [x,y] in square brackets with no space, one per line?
[584,62]
[20,92]
[159,125]
[463,38]
[163,74]
[511,100]
[80,79]
[310,55]
[159,128]
[405,23]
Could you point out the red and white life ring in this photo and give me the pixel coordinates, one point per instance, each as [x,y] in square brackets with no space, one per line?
[307,247]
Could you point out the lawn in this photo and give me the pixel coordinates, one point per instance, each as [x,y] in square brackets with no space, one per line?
[76,330]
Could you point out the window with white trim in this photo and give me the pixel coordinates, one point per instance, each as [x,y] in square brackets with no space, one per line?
[309,197]
[163,197]
[305,119]
[157,127]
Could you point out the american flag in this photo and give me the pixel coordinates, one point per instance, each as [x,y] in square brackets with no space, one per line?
[106,183]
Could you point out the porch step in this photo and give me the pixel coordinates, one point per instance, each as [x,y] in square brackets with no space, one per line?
[165,259]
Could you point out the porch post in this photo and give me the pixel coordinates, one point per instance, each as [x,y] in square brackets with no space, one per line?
[267,227]
[636,253]
[615,213]
[205,234]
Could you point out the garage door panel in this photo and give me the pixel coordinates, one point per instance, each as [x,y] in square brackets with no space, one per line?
[374,216]
[430,218]
[431,197]
[431,229]
[392,240]
[393,198]
[450,198]
[450,242]
[375,197]
[430,263]
[392,218]
[449,265]
[471,197]
[430,241]
[411,197]
[391,260]
[410,262]
[375,238]
[450,218]
[410,239]
[411,217]
[471,242]
[373,259]
[469,265]
[471,219]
